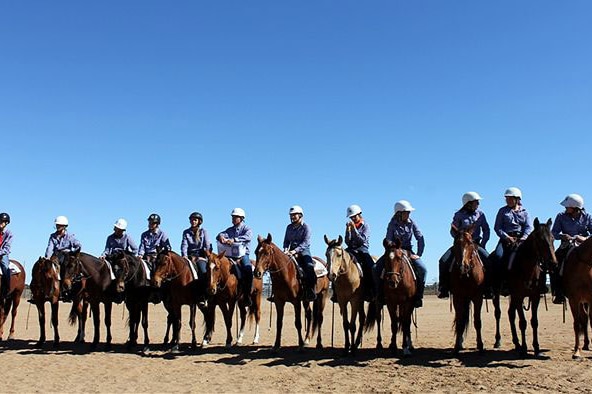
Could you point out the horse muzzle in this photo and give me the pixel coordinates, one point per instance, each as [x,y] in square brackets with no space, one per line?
[156,282]
[212,290]
[120,287]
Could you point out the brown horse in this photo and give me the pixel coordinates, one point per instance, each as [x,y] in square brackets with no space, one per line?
[526,278]
[224,291]
[348,286]
[182,290]
[577,282]
[13,298]
[45,287]
[286,288]
[466,285]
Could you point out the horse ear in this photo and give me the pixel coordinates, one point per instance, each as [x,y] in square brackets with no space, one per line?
[536,222]
[268,238]
[221,254]
[549,222]
[260,238]
[385,243]
[327,240]
[339,240]
[398,243]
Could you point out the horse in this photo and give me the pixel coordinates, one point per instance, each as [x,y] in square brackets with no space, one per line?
[224,291]
[182,290]
[95,287]
[347,283]
[13,298]
[526,278]
[577,282]
[467,280]
[399,292]
[286,288]
[45,287]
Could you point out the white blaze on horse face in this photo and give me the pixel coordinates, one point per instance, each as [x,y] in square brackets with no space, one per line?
[392,255]
[212,266]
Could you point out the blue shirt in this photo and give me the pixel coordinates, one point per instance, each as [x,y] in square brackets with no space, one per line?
[464,218]
[405,232]
[66,243]
[565,224]
[190,246]
[6,242]
[358,238]
[149,242]
[240,234]
[114,244]
[512,221]
[297,238]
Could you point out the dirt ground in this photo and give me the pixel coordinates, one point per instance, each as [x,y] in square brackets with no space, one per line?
[250,368]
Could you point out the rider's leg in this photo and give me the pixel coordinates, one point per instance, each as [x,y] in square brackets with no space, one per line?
[487,266]
[247,271]
[444,274]
[554,276]
[420,273]
[376,278]
[5,261]
[307,265]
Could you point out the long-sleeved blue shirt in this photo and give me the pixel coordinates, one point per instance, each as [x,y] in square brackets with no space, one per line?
[240,234]
[565,224]
[190,246]
[464,218]
[297,238]
[6,242]
[512,221]
[405,232]
[114,244]
[151,241]
[65,243]
[358,238]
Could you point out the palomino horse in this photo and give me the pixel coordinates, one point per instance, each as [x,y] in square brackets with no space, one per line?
[399,292]
[13,298]
[182,290]
[348,287]
[224,291]
[466,285]
[577,282]
[95,280]
[526,278]
[45,287]
[286,288]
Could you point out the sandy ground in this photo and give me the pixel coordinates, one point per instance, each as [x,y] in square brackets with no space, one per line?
[248,368]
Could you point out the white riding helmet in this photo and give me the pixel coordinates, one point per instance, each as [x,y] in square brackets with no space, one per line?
[403,206]
[61,220]
[353,210]
[513,192]
[573,201]
[238,212]
[121,224]
[296,209]
[470,196]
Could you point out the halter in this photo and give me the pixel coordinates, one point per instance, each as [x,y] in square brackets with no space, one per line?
[272,256]
[342,269]
[179,273]
[399,274]
[131,277]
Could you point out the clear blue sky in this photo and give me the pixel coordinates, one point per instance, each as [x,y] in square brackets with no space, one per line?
[119,109]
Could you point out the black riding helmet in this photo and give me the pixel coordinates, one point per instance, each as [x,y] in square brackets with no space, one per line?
[4,217]
[154,218]
[196,215]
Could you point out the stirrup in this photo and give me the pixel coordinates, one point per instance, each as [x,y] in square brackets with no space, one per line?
[559,299]
[443,294]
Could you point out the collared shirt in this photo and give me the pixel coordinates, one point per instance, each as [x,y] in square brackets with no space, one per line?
[358,238]
[297,238]
[114,244]
[190,246]
[66,243]
[512,221]
[6,242]
[241,234]
[565,224]
[405,232]
[150,242]
[464,218]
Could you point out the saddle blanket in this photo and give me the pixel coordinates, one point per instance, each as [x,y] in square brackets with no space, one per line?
[320,268]
[110,269]
[146,269]
[14,269]
[192,267]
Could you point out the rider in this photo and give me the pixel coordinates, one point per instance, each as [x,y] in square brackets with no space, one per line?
[119,240]
[512,225]
[469,215]
[404,228]
[194,244]
[297,245]
[240,234]
[61,240]
[152,240]
[571,227]
[5,243]
[357,237]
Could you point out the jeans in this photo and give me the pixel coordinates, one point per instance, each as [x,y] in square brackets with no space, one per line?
[418,267]
[367,264]
[4,262]
[246,273]
[307,264]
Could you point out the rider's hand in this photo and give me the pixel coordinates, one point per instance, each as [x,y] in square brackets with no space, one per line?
[511,240]
[580,238]
[414,257]
[566,237]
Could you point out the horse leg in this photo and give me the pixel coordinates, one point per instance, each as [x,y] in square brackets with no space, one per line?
[378,325]
[54,322]
[134,319]
[308,322]
[15,303]
[298,323]
[461,319]
[523,325]
[243,320]
[192,313]
[585,320]
[392,309]
[82,316]
[176,318]
[210,318]
[477,304]
[96,311]
[227,311]
[405,312]
[361,322]
[165,340]
[576,312]
[144,309]
[279,307]
[534,322]
[41,315]
[345,323]
[498,314]
[108,310]
[512,318]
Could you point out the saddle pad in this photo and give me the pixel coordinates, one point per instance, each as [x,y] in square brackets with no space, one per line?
[320,268]
[192,268]
[14,269]
[110,269]
[360,271]
[146,269]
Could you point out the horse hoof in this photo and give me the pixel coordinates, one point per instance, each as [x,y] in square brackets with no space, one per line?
[93,346]
[379,346]
[586,347]
[306,341]
[204,343]
[108,347]
[228,345]
[319,346]
[497,345]
[175,349]
[406,352]
[255,342]
[576,357]
[275,349]
[146,349]
[39,345]
[10,337]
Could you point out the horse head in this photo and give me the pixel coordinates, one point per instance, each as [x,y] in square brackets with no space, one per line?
[72,268]
[335,257]
[45,283]
[265,255]
[465,250]
[121,264]
[542,239]
[164,267]
[214,271]
[394,263]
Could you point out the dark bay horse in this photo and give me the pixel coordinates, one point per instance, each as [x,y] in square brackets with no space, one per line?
[286,288]
[577,282]
[13,298]
[348,287]
[399,292]
[224,291]
[45,287]
[95,288]
[466,285]
[526,278]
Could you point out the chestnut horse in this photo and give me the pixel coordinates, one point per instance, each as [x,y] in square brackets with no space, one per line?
[45,287]
[466,285]
[577,282]
[224,291]
[286,288]
[13,298]
[348,287]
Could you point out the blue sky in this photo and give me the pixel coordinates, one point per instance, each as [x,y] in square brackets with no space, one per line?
[120,109]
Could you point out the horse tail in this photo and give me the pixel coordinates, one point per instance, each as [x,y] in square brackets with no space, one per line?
[73,316]
[461,324]
[317,316]
[371,317]
[253,311]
